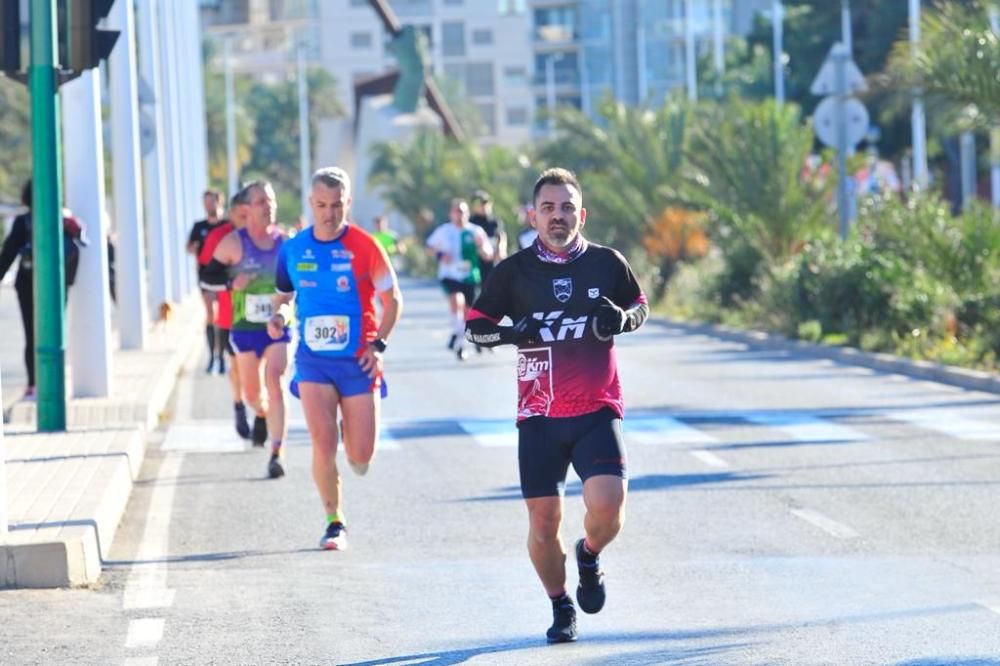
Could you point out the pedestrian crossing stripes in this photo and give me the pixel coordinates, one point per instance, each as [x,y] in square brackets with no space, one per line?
[703,432]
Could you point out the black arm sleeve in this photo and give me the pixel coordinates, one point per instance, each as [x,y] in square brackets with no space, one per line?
[629,292]
[13,244]
[493,304]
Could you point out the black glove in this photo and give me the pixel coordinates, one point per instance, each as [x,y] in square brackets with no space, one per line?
[609,319]
[526,329]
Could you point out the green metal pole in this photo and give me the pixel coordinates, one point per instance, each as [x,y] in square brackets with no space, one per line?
[46,220]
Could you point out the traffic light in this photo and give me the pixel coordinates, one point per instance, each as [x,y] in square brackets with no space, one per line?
[82,45]
[10,36]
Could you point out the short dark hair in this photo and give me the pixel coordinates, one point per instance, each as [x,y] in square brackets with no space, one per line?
[26,194]
[240,198]
[481,195]
[556,176]
[333,177]
[212,193]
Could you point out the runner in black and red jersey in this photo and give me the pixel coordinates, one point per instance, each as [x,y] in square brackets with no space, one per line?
[212,200]
[215,274]
[568,298]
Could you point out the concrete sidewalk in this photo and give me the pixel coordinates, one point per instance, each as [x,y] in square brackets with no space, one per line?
[67,491]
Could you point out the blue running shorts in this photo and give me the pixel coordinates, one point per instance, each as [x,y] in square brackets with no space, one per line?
[255,341]
[345,374]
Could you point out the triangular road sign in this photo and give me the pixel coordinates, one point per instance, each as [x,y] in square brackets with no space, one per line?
[825,82]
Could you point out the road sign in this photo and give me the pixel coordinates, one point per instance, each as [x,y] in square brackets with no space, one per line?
[825,121]
[825,82]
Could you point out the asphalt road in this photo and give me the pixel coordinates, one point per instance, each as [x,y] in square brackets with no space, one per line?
[782,510]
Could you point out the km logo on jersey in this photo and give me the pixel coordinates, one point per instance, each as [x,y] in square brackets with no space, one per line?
[563,326]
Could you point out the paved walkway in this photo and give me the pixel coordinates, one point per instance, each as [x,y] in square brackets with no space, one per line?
[66,492]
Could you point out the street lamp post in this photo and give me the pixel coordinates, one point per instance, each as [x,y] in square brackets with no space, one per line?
[917,116]
[550,89]
[305,161]
[777,32]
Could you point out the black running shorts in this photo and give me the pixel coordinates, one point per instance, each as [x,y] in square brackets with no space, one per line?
[455,287]
[546,446]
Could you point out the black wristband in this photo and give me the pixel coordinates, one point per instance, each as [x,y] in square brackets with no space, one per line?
[378,344]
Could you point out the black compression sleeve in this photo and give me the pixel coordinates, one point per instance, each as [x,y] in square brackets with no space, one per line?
[635,317]
[485,333]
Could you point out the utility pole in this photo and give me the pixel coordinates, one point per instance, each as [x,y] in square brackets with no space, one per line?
[777,32]
[232,167]
[305,155]
[46,219]
[689,51]
[995,130]
[719,50]
[918,122]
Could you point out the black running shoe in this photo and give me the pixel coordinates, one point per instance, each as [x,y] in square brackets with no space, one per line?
[590,593]
[275,470]
[222,363]
[240,416]
[461,354]
[259,431]
[563,629]
[335,537]
[211,363]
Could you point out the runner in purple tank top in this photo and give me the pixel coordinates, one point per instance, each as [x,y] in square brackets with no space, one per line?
[252,255]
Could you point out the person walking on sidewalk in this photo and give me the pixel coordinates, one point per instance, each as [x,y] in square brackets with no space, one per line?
[568,298]
[459,246]
[212,200]
[333,270]
[252,255]
[18,245]
[216,274]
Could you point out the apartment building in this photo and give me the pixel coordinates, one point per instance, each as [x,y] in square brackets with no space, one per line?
[632,49]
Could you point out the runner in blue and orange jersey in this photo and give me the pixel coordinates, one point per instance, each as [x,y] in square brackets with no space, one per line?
[334,270]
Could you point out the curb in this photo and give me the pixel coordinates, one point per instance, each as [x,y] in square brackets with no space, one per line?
[70,520]
[975,380]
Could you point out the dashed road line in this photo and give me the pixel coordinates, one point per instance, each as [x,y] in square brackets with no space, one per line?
[950,423]
[144,632]
[709,458]
[805,428]
[828,525]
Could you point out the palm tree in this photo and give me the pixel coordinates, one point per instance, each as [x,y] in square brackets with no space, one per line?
[958,59]
[747,160]
[629,163]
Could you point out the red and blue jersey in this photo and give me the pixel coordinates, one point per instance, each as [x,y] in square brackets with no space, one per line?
[334,283]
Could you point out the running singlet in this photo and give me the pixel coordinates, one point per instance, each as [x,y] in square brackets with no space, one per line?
[459,243]
[252,304]
[570,371]
[334,284]
[213,275]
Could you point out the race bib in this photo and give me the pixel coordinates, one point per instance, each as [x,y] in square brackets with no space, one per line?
[327,333]
[258,308]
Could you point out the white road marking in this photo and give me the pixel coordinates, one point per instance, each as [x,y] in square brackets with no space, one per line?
[828,525]
[709,458]
[805,428]
[142,661]
[204,437]
[991,606]
[146,586]
[492,434]
[659,430]
[144,632]
[950,423]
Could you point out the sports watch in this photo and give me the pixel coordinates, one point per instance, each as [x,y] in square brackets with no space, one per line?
[378,344]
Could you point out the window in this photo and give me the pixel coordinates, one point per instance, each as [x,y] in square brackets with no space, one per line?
[505,7]
[488,113]
[479,79]
[556,24]
[517,116]
[482,37]
[361,40]
[453,38]
[515,75]
[292,9]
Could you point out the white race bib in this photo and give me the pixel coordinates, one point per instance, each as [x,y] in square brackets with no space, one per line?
[327,333]
[258,308]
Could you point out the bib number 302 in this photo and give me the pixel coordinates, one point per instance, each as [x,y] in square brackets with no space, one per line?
[327,333]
